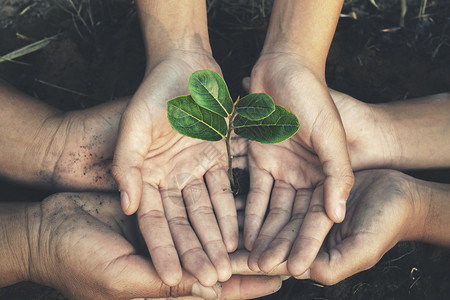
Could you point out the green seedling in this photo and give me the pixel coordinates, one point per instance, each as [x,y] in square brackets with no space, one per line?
[203,113]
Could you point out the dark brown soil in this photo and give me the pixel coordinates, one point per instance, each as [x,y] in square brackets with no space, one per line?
[371,58]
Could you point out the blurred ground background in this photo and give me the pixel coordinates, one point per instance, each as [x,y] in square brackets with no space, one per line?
[380,53]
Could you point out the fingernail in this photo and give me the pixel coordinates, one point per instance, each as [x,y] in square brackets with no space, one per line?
[340,210]
[305,275]
[199,290]
[285,277]
[125,201]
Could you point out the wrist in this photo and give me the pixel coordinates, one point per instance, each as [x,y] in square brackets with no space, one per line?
[38,267]
[196,59]
[40,156]
[373,143]
[173,25]
[303,28]
[15,244]
[433,213]
[279,56]
[46,149]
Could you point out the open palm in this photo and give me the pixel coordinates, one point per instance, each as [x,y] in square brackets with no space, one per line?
[162,173]
[297,223]
[293,85]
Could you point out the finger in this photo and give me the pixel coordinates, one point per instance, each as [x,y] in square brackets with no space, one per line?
[132,144]
[239,265]
[337,190]
[239,149]
[202,217]
[106,208]
[353,255]
[239,146]
[333,154]
[256,205]
[240,202]
[135,276]
[224,206]
[246,84]
[312,232]
[278,250]
[281,202]
[155,230]
[250,287]
[240,162]
[190,251]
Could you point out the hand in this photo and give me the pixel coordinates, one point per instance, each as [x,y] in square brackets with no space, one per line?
[86,157]
[371,140]
[84,246]
[381,211]
[42,146]
[159,171]
[297,223]
[295,85]
[394,135]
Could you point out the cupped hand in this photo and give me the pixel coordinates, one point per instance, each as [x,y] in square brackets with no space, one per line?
[298,87]
[84,246]
[380,212]
[292,178]
[162,174]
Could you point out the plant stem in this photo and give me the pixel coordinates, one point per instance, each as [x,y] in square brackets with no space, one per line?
[228,142]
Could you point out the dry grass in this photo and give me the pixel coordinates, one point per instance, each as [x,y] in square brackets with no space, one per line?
[10,57]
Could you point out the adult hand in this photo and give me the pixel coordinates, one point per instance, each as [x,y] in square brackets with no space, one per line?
[394,135]
[298,172]
[296,86]
[86,156]
[84,246]
[297,223]
[43,146]
[159,171]
[384,208]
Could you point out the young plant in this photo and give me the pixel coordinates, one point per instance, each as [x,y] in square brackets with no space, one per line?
[202,114]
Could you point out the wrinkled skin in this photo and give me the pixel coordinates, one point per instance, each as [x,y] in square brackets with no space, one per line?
[86,158]
[308,176]
[381,211]
[162,173]
[84,246]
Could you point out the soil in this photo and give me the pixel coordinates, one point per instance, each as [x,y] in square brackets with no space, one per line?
[98,55]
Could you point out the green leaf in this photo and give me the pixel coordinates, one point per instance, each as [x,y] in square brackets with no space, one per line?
[189,119]
[255,106]
[210,91]
[279,126]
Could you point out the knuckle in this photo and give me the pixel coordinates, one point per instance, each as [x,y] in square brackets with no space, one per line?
[280,212]
[192,252]
[202,210]
[254,217]
[151,215]
[178,221]
[317,208]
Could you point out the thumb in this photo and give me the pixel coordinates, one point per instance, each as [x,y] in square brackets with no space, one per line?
[353,255]
[333,154]
[135,277]
[132,144]
[246,84]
